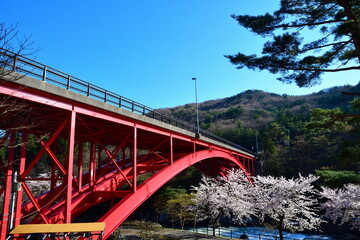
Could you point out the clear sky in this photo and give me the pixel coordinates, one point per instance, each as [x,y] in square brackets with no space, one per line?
[149,50]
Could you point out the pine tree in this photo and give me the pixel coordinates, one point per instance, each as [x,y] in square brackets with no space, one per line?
[291,53]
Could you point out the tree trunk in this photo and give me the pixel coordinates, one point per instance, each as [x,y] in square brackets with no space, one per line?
[355,32]
[214,228]
[182,223]
[280,228]
[157,216]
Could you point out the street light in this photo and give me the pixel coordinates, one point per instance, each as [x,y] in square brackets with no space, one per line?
[197,134]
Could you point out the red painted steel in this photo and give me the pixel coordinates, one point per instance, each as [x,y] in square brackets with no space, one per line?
[126,206]
[24,139]
[94,157]
[70,165]
[7,187]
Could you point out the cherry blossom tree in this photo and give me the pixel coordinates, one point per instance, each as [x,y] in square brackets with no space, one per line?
[239,195]
[343,205]
[224,196]
[289,203]
[209,201]
[39,187]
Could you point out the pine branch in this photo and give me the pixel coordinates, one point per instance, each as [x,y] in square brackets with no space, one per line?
[350,93]
[324,46]
[315,70]
[306,24]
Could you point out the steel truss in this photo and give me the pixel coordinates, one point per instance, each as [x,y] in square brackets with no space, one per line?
[93,157]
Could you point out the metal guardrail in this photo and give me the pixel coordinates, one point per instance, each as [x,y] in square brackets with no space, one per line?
[29,67]
[234,234]
[221,232]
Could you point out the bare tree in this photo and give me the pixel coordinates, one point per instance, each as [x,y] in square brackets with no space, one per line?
[13,112]
[12,44]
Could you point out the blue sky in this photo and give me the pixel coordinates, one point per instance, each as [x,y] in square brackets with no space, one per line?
[149,51]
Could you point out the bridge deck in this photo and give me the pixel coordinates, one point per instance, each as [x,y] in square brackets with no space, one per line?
[59,92]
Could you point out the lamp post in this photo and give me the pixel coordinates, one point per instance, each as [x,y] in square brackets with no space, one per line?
[197,134]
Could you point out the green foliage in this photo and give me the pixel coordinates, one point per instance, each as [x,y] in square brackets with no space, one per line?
[240,135]
[2,154]
[301,59]
[337,179]
[355,103]
[339,125]
[175,204]
[259,113]
[149,231]
[349,157]
[234,112]
[276,143]
[180,207]
[186,114]
[296,134]
[328,119]
[159,201]
[294,143]
[185,179]
[156,207]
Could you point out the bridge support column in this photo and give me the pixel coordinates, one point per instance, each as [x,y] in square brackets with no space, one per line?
[70,166]
[135,159]
[8,189]
[92,164]
[24,139]
[171,150]
[80,163]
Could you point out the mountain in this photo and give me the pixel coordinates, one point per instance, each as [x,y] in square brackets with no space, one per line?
[292,137]
[256,109]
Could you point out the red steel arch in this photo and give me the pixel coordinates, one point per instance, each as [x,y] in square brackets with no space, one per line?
[125,207]
[96,153]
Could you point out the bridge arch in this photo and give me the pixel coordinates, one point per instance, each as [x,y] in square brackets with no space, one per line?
[125,207]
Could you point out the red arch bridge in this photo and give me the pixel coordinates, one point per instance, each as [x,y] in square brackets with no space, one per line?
[100,146]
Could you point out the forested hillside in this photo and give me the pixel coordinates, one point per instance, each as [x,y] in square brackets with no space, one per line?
[295,133]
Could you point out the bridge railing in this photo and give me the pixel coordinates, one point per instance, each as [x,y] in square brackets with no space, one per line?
[29,67]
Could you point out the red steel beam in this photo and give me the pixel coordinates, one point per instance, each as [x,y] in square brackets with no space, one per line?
[70,164]
[8,187]
[24,139]
[80,164]
[35,202]
[42,151]
[135,150]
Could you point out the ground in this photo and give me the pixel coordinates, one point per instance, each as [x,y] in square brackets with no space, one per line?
[163,234]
